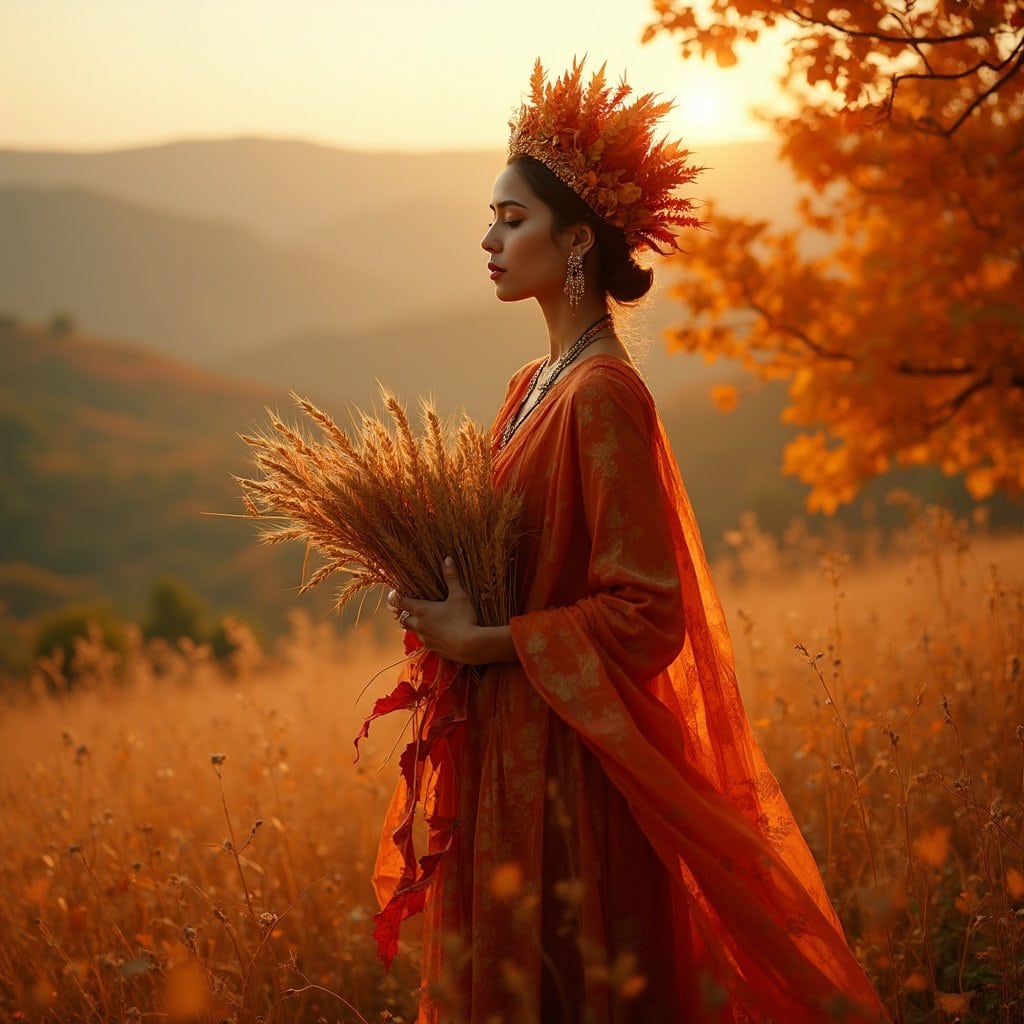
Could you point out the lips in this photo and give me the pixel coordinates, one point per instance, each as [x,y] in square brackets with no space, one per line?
[495,270]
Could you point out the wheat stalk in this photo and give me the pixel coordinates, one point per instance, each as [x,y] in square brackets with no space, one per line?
[385,507]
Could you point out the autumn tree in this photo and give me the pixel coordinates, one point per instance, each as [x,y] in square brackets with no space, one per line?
[904,340]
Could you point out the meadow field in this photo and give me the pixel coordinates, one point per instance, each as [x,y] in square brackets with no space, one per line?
[187,840]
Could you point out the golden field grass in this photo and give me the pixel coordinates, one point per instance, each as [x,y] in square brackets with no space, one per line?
[185,841]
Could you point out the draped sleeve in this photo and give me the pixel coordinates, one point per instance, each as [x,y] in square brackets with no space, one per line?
[623,637]
[633,607]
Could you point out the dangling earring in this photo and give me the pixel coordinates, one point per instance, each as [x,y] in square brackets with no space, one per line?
[574,280]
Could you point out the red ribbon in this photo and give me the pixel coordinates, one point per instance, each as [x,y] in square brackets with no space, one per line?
[434,690]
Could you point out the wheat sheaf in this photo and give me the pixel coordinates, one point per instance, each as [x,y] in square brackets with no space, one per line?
[384,506]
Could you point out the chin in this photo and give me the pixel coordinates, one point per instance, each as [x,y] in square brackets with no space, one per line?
[507,295]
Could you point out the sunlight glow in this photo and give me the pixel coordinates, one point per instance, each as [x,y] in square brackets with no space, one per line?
[363,74]
[702,109]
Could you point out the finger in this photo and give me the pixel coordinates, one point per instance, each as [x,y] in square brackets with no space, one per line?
[451,577]
[403,619]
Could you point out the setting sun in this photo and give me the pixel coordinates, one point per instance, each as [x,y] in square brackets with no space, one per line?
[702,109]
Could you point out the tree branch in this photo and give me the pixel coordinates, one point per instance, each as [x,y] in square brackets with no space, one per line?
[930,75]
[933,371]
[981,97]
[794,332]
[945,412]
[884,37]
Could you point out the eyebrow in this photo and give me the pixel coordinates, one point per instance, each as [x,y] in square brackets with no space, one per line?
[508,202]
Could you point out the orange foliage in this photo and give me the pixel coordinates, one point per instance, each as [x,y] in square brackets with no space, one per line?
[904,341]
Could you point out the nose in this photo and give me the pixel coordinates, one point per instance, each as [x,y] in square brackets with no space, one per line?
[489,242]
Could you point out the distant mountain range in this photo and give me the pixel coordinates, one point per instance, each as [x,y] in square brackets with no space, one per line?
[204,280]
[296,191]
[235,254]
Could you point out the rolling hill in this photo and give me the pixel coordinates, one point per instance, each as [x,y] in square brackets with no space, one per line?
[293,190]
[178,284]
[216,250]
[221,297]
[283,189]
[110,457]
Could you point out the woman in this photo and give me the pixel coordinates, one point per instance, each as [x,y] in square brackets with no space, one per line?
[622,851]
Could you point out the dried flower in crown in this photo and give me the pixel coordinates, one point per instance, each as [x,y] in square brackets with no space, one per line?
[605,152]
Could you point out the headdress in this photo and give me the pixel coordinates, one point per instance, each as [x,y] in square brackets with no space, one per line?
[605,152]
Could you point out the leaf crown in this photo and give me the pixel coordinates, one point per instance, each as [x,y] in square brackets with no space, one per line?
[604,150]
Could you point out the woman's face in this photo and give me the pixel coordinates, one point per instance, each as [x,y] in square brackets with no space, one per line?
[525,262]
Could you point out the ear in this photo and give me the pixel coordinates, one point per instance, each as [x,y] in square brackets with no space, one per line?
[583,237]
[580,237]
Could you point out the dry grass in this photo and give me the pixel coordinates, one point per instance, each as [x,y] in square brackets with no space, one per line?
[386,508]
[889,700]
[144,880]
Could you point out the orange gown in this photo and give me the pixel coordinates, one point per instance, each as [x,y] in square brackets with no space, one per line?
[621,850]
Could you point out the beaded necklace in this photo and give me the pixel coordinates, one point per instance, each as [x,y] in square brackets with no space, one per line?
[561,363]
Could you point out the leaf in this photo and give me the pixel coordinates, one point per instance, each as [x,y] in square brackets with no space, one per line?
[632,987]
[77,917]
[404,697]
[1015,884]
[389,920]
[506,881]
[187,993]
[36,892]
[933,846]
[411,642]
[954,1002]
[725,397]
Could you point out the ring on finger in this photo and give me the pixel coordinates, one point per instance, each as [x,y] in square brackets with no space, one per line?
[404,617]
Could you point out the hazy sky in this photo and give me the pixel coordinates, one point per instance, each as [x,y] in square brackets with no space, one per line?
[368,74]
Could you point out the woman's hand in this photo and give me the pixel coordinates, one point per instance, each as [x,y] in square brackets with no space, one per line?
[445,627]
[450,628]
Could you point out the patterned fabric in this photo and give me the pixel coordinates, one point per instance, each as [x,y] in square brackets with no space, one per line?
[623,852]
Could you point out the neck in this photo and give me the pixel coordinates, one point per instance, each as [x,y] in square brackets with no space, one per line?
[564,326]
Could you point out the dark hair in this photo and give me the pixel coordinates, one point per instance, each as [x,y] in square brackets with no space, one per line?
[619,276]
